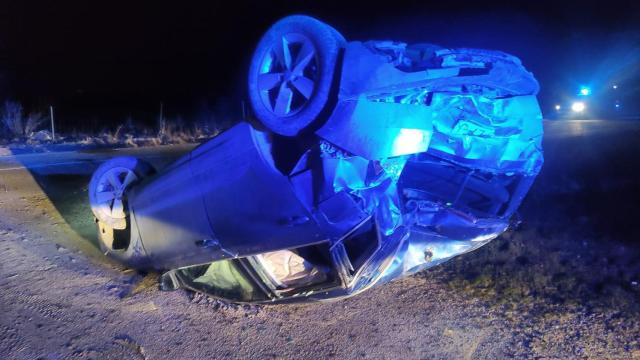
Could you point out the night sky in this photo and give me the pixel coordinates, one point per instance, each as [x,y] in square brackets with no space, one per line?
[101,61]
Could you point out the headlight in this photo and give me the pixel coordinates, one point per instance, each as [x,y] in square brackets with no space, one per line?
[578,106]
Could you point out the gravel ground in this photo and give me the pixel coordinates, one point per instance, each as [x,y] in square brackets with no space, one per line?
[563,284]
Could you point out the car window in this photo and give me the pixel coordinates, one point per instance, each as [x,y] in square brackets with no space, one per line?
[224,279]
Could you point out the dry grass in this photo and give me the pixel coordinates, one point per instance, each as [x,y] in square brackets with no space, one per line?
[16,124]
[19,128]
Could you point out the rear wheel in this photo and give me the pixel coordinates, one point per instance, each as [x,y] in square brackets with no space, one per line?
[108,198]
[291,73]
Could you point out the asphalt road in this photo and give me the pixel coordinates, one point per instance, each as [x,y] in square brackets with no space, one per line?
[84,161]
[564,284]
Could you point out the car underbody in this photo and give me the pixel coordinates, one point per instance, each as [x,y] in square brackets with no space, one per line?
[417,154]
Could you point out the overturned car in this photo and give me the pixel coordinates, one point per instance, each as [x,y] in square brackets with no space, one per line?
[367,161]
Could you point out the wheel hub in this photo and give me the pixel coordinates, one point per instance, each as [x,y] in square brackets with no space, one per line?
[288,75]
[110,192]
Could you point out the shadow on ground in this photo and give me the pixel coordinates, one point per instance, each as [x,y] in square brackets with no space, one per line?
[68,192]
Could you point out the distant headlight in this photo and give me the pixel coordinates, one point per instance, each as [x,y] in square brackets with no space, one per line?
[578,106]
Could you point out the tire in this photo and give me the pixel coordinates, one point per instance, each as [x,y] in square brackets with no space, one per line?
[109,201]
[291,73]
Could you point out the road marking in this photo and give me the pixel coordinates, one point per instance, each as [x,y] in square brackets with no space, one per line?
[46,165]
[87,161]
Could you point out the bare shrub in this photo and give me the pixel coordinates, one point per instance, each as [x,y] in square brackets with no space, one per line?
[169,131]
[108,137]
[11,117]
[33,122]
[129,140]
[16,124]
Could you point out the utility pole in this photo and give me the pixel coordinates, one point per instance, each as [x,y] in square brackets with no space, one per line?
[53,127]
